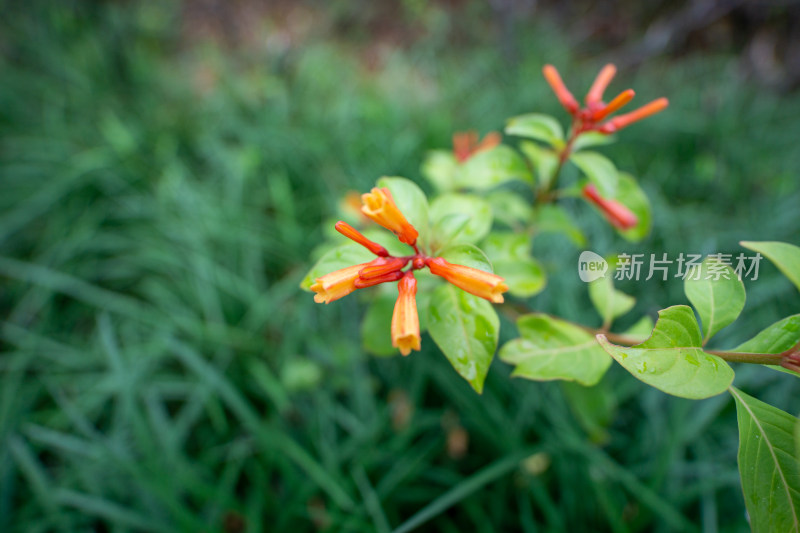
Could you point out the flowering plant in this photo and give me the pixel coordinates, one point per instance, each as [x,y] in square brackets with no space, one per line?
[476,214]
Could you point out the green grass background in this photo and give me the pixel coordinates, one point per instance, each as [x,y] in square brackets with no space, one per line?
[160,369]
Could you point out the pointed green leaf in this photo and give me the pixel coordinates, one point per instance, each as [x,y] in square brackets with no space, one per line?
[537,126]
[600,171]
[785,256]
[671,360]
[609,302]
[478,210]
[777,338]
[446,230]
[493,167]
[544,161]
[592,138]
[340,257]
[549,348]
[411,201]
[467,255]
[511,258]
[440,168]
[466,329]
[768,465]
[633,197]
[716,292]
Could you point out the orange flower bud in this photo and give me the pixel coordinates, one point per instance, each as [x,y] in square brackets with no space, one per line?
[617,103]
[382,266]
[595,94]
[405,320]
[353,234]
[484,284]
[380,207]
[465,144]
[562,93]
[617,123]
[337,284]
[617,214]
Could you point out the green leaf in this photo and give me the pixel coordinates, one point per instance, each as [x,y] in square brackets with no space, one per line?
[600,171]
[633,197]
[768,465]
[591,138]
[717,294]
[490,168]
[510,255]
[467,255]
[411,201]
[376,328]
[609,302]
[440,168]
[554,219]
[340,257]
[447,229]
[476,228]
[777,338]
[537,126]
[510,208]
[466,329]
[549,349]
[785,256]
[671,360]
[543,160]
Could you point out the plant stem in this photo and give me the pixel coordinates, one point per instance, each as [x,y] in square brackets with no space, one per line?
[733,357]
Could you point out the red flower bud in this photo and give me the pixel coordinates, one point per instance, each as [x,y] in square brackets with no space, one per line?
[562,93]
[617,214]
[353,234]
[617,123]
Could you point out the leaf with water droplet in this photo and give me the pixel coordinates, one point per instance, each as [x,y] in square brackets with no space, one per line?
[466,328]
[672,359]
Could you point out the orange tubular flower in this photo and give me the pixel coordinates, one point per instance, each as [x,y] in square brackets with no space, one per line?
[380,207]
[465,144]
[616,104]
[353,234]
[617,214]
[562,93]
[595,94]
[405,320]
[488,286]
[617,123]
[337,284]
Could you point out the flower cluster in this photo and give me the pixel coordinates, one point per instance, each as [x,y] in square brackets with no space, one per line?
[591,117]
[379,206]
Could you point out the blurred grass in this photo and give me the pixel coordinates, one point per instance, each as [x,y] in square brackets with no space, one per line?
[161,371]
